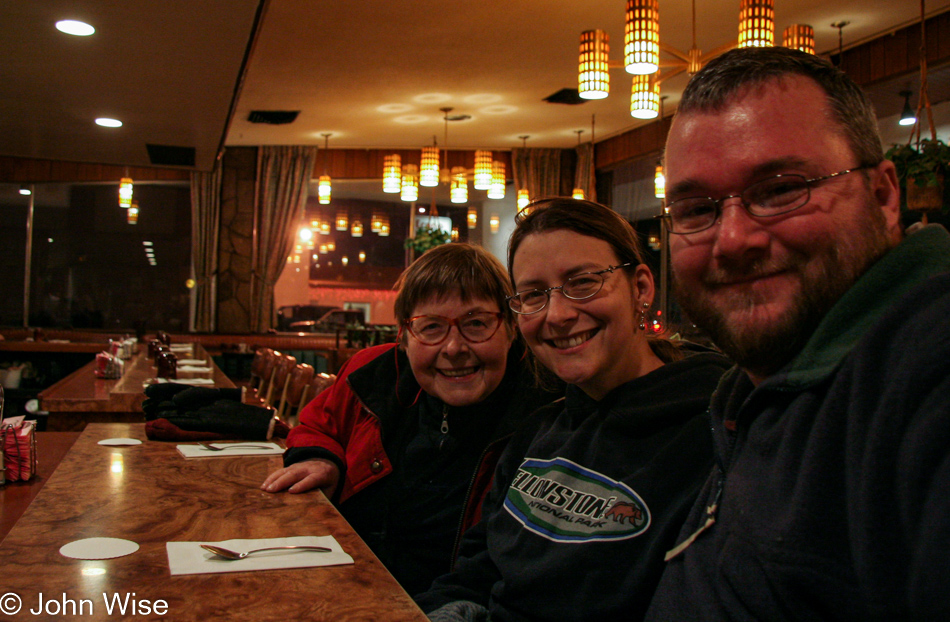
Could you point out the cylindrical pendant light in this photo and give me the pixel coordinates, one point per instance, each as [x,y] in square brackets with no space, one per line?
[756,23]
[497,189]
[132,215]
[342,221]
[323,183]
[384,227]
[410,183]
[578,194]
[429,167]
[356,230]
[472,218]
[375,222]
[659,182]
[641,39]
[483,170]
[494,223]
[392,173]
[323,189]
[125,192]
[644,98]
[799,37]
[459,190]
[593,78]
[523,199]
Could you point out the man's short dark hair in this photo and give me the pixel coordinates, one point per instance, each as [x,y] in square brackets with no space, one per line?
[724,76]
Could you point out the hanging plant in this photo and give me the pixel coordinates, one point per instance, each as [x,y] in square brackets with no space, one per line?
[427,238]
[921,170]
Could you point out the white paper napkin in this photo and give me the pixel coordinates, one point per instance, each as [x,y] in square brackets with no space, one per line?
[190,558]
[192,368]
[181,347]
[192,381]
[246,448]
[191,362]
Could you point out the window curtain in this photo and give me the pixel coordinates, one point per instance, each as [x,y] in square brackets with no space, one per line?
[205,222]
[538,170]
[283,176]
[584,172]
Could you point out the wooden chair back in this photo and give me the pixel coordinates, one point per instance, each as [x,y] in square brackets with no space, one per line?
[297,383]
[258,365]
[282,368]
[267,372]
[320,383]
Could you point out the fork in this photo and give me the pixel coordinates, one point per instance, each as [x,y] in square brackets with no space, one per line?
[240,445]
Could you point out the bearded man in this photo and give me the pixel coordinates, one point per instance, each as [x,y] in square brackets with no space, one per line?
[831,494]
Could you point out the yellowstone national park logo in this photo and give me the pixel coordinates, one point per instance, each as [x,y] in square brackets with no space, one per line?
[565,502]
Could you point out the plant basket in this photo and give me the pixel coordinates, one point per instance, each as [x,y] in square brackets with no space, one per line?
[924,198]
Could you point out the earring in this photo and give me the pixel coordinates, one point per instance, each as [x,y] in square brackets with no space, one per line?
[643,316]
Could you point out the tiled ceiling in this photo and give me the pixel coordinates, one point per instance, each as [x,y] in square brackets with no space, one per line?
[372,74]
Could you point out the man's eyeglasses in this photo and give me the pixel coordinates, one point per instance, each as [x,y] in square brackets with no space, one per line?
[770,197]
[474,327]
[578,287]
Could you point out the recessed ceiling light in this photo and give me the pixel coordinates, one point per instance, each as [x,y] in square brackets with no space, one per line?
[107,122]
[73,27]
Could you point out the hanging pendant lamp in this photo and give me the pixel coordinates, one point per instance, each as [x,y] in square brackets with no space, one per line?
[756,23]
[641,41]
[323,183]
[593,78]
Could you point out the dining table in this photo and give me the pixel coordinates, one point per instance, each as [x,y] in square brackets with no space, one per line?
[149,494]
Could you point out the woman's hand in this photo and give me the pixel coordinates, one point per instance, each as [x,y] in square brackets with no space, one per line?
[303,476]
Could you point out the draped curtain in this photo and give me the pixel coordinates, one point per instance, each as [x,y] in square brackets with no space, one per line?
[538,170]
[584,172]
[283,176]
[205,222]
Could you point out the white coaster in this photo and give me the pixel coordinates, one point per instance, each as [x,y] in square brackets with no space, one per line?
[120,442]
[98,548]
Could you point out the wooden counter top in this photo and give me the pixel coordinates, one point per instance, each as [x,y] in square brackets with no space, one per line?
[82,392]
[151,495]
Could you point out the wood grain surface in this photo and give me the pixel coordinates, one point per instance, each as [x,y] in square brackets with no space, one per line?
[151,495]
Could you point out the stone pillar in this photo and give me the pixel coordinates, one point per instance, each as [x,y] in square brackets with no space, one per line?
[236,235]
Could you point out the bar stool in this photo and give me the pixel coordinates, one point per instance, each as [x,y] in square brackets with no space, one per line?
[282,368]
[297,384]
[258,365]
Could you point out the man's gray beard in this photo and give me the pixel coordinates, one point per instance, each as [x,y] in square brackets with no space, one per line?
[833,272]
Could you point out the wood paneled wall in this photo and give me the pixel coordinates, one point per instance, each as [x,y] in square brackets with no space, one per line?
[31,170]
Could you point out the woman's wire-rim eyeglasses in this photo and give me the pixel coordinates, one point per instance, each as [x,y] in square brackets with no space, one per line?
[474,327]
[578,287]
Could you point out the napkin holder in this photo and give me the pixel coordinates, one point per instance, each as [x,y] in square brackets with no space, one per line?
[18,441]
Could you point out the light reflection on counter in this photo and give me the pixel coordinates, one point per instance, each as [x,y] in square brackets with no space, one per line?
[117,466]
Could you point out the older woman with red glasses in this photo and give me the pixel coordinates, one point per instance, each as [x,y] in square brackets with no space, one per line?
[406,427]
